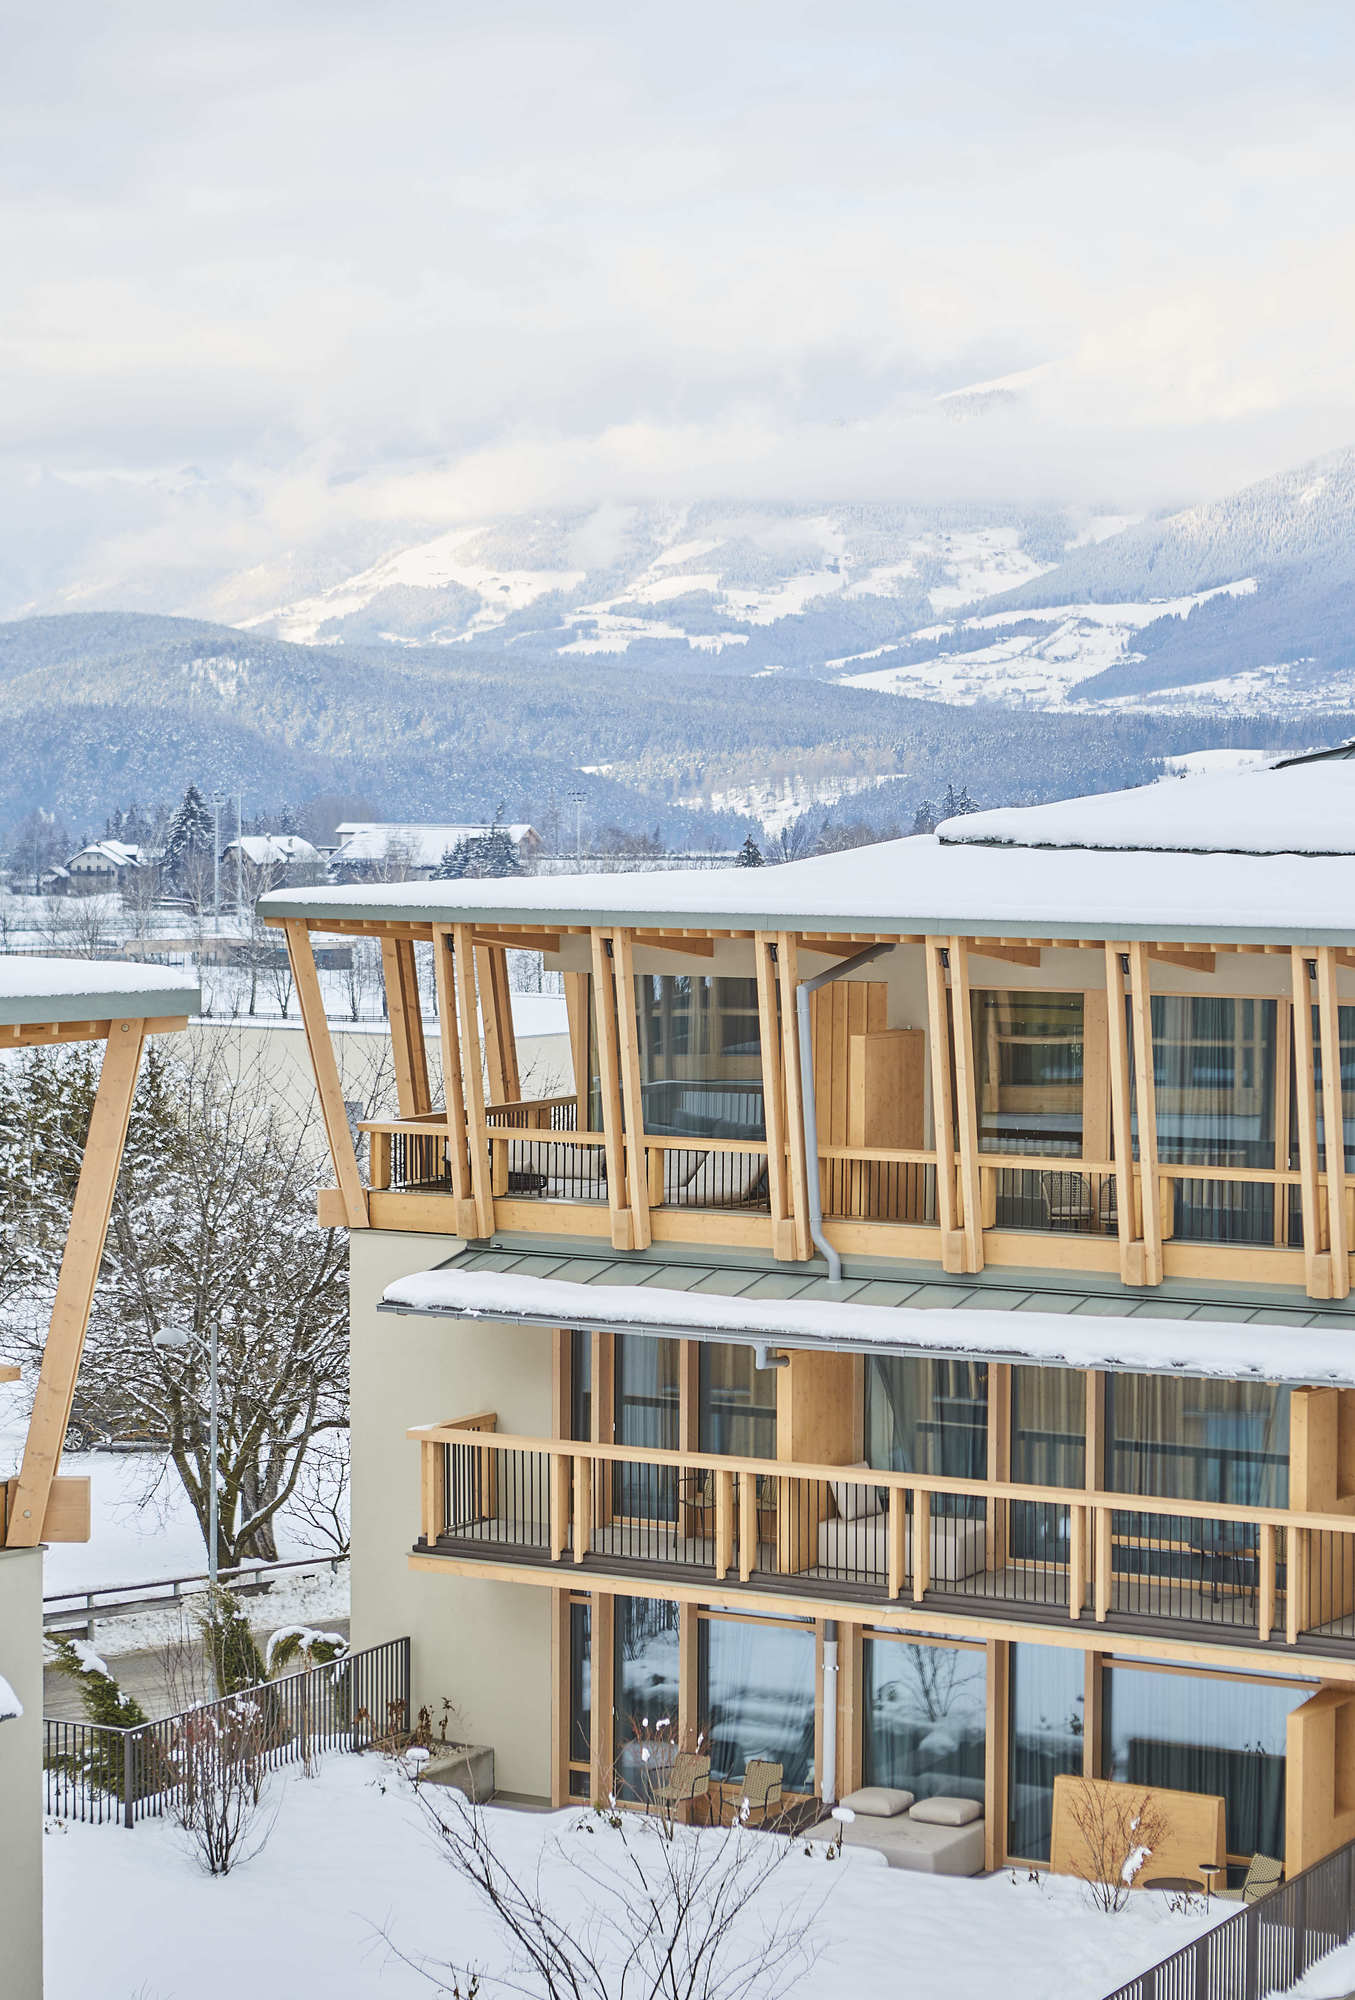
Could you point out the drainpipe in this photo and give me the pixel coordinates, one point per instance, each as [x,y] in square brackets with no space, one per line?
[828,1788]
[808,1108]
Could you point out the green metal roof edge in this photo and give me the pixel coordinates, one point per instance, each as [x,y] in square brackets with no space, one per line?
[29,1010]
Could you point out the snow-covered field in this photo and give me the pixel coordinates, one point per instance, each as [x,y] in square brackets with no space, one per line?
[347,1862]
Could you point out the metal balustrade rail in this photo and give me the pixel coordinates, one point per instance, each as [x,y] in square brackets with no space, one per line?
[68,1611]
[1266,1948]
[115,1777]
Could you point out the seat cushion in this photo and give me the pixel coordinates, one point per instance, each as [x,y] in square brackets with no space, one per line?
[859,1545]
[853,1500]
[946,1811]
[878,1801]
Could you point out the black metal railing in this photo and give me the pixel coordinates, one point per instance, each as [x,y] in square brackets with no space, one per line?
[1266,1948]
[419,1160]
[697,1177]
[878,1190]
[1056,1199]
[556,1173]
[106,1776]
[494,1495]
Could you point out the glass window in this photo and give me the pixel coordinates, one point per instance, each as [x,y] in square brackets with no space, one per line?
[926,1415]
[1049,1448]
[1198,1440]
[580,1683]
[1028,1056]
[925,1717]
[645,1688]
[700,1056]
[646,1378]
[757,1696]
[581,1383]
[1202,1733]
[738,1403]
[1048,1705]
[1345,1021]
[1214,1080]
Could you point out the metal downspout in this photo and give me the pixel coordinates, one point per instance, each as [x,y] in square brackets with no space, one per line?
[808,1109]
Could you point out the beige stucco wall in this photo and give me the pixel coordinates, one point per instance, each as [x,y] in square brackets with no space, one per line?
[21,1777]
[483,1645]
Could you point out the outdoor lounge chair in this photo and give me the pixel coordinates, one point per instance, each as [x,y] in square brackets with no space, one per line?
[1264,1873]
[688,1779]
[761,1787]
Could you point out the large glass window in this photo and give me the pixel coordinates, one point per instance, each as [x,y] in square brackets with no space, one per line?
[738,1402]
[1205,1733]
[756,1683]
[1028,1055]
[1048,1707]
[645,1684]
[1345,1019]
[1198,1440]
[1049,1448]
[647,1381]
[924,1717]
[925,1415]
[580,1383]
[700,1056]
[580,1698]
[1214,1078]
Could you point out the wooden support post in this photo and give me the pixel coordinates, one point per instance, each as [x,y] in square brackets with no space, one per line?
[433,1487]
[788,978]
[404,1009]
[897,1559]
[687,1721]
[774,1100]
[583,1506]
[1145,1099]
[922,1545]
[326,1069]
[609,1080]
[747,1525]
[1121,1125]
[1101,1543]
[561,1503]
[79,1272]
[1293,1590]
[632,1097]
[997,1717]
[966,1103]
[445,981]
[1077,1560]
[603,1694]
[477,1125]
[1265,1562]
[576,1010]
[724,1525]
[1333,1123]
[953,1245]
[1316,1264]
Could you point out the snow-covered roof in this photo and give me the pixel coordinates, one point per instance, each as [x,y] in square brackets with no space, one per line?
[1292,809]
[114,853]
[82,989]
[421,846]
[271,850]
[1054,1327]
[908,886]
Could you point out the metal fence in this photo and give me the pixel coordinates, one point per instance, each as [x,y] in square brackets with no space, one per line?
[1266,1948]
[65,1612]
[115,1777]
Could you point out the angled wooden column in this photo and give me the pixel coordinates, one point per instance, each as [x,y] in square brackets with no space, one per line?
[632,1095]
[473,1079]
[966,1103]
[325,1065]
[576,1009]
[1145,1102]
[1316,1263]
[609,1081]
[405,1012]
[953,1245]
[773,1099]
[788,978]
[1121,1123]
[1333,1122]
[453,1098]
[496,1012]
[80,1262]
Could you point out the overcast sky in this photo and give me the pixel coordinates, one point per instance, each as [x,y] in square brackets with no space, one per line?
[275,264]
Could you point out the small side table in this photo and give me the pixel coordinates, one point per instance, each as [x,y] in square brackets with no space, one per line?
[1209,1869]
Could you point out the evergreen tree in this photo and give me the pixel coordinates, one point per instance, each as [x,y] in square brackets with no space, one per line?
[190,834]
[232,1651]
[750,854]
[454,864]
[957,803]
[925,818]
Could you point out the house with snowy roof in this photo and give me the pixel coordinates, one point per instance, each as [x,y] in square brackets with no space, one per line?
[103,864]
[915,1352]
[393,851]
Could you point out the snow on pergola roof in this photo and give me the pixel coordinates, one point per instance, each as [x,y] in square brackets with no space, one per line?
[1293,809]
[36,990]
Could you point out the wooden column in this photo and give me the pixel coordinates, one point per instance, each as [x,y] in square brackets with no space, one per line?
[1316,1264]
[774,1100]
[602,1693]
[1283,1116]
[562,1681]
[996,1720]
[1145,1100]
[851,1705]
[80,1262]
[496,1011]
[788,978]
[473,1076]
[688,1723]
[953,1246]
[326,1068]
[628,1055]
[444,973]
[609,1080]
[405,1012]
[576,1008]
[1333,1123]
[966,1103]
[1121,1126]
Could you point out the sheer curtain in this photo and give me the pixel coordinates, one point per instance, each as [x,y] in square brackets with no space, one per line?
[646,1392]
[1198,1440]
[700,1056]
[1214,1068]
[924,1721]
[926,1415]
[757,1696]
[738,1402]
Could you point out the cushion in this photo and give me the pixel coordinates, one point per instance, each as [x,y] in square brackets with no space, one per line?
[878,1801]
[946,1812]
[851,1500]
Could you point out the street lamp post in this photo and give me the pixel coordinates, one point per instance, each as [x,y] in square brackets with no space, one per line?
[174,1339]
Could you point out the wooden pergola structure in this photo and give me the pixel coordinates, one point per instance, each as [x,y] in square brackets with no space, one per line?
[45,1003]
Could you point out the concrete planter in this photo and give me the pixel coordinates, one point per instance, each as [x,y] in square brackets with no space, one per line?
[468,1767]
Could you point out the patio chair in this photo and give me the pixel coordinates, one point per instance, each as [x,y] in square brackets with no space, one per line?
[761,1787]
[1264,1873]
[1067,1201]
[688,1780]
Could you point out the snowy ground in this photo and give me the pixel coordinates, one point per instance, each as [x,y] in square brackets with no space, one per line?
[347,1862]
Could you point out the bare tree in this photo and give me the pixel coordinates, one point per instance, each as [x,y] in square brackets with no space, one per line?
[217,1756]
[1117,1830]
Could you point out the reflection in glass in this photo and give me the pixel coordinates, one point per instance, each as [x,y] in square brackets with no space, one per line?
[700,1056]
[928,1415]
[924,1723]
[1214,1075]
[1047,1707]
[757,1696]
[580,1684]
[645,1686]
[1049,1448]
[1198,1440]
[1028,1055]
[647,1393]
[738,1402]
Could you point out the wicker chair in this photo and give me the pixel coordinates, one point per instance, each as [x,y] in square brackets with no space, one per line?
[688,1780]
[1264,1873]
[761,1788]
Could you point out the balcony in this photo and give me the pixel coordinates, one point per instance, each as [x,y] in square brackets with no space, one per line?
[843,1536]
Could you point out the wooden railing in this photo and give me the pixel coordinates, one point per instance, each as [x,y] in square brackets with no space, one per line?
[1251,1574]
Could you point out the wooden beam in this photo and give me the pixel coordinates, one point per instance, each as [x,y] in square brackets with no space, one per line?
[1333,1123]
[496,1014]
[405,1011]
[501,940]
[1010,954]
[773,1099]
[609,1081]
[1176,954]
[628,1053]
[48,1034]
[508,1035]
[788,978]
[473,1079]
[943,1118]
[1121,1126]
[1145,1098]
[324,1064]
[1317,1266]
[8,1372]
[453,1098]
[80,1262]
[695,947]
